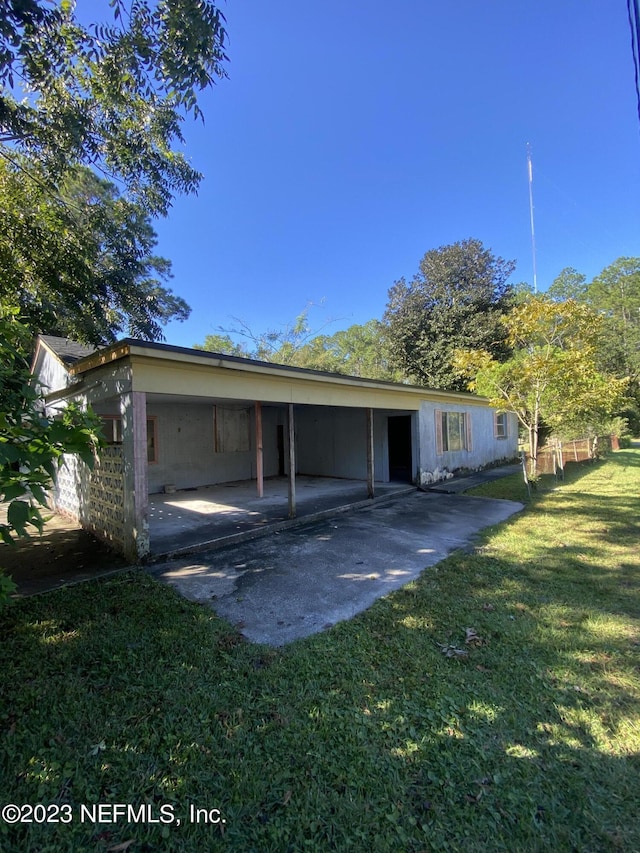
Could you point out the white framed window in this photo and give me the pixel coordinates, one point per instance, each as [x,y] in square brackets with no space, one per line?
[500,425]
[453,431]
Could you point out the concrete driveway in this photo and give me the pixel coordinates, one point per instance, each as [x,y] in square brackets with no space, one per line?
[297,582]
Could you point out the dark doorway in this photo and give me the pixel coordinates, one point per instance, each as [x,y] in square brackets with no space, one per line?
[280,450]
[399,434]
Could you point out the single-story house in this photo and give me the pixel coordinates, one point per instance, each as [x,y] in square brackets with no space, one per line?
[178,418]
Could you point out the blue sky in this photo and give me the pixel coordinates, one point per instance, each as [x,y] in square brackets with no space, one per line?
[353,135]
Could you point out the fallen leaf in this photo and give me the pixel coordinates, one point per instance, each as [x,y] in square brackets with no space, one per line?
[118,848]
[286,798]
[472,638]
[451,651]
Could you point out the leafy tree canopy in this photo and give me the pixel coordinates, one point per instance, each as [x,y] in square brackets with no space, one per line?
[110,95]
[454,301]
[569,284]
[81,263]
[31,444]
[615,294]
[359,350]
[551,374]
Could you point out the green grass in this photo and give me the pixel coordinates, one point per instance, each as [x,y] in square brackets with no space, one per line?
[367,737]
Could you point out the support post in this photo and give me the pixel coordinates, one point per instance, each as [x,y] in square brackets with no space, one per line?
[292,464]
[370,467]
[136,487]
[259,451]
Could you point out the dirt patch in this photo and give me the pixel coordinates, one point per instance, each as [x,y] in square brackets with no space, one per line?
[65,553]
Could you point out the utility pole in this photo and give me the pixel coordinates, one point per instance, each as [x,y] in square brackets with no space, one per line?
[533,234]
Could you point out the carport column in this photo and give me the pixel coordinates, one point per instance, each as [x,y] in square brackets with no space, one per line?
[370,468]
[259,450]
[136,488]
[292,464]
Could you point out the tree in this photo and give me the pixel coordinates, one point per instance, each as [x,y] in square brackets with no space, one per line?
[359,350]
[31,444]
[551,374]
[615,294]
[568,284]
[223,344]
[109,95]
[280,346]
[81,263]
[454,301]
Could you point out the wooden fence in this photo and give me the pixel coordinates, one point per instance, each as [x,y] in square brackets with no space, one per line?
[553,457]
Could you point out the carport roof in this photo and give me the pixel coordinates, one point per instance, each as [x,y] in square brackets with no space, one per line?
[159,359]
[131,347]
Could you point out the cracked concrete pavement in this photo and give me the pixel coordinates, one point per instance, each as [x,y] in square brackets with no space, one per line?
[294,583]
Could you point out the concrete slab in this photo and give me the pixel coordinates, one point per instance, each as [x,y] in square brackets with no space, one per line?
[297,582]
[230,512]
[456,485]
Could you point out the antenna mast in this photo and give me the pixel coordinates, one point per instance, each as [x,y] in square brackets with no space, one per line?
[533,234]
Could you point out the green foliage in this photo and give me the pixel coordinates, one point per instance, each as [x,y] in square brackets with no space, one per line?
[569,284]
[111,95]
[80,263]
[552,373]
[32,444]
[223,344]
[615,295]
[359,350]
[454,301]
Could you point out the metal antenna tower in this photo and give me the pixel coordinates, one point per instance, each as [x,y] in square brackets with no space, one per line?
[533,233]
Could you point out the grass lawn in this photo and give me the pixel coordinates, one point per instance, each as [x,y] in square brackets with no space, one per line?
[491,705]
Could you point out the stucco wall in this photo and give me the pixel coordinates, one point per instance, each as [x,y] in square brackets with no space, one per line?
[186,446]
[332,442]
[486,449]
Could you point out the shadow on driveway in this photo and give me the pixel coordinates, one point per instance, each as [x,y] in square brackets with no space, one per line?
[297,582]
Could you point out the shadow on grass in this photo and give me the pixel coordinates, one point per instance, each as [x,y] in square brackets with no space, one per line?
[490,705]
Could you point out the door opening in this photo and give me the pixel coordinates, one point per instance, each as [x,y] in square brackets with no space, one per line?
[399,435]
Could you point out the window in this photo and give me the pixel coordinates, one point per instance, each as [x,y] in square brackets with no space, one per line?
[453,431]
[112,428]
[112,433]
[500,425]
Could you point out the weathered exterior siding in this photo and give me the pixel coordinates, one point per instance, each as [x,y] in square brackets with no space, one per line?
[486,449]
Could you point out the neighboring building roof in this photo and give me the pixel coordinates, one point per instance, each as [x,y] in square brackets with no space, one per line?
[67,351]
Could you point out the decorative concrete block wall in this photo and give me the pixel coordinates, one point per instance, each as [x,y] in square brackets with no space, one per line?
[95,498]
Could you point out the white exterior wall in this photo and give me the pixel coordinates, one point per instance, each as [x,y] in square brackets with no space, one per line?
[51,373]
[486,449]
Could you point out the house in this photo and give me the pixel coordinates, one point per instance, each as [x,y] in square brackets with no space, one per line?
[177,418]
